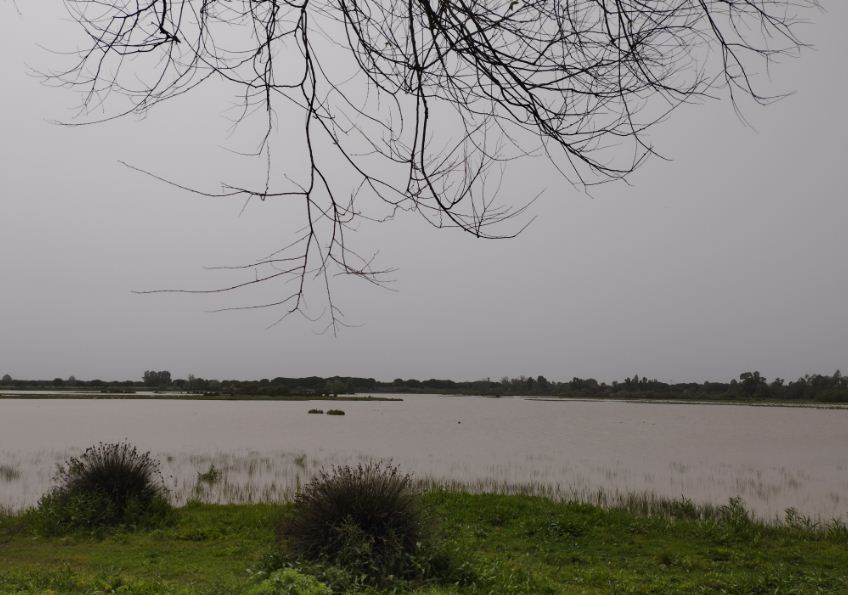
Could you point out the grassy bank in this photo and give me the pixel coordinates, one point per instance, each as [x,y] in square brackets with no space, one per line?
[497,544]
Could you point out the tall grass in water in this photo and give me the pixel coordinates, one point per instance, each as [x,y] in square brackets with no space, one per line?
[211,476]
[268,476]
[9,473]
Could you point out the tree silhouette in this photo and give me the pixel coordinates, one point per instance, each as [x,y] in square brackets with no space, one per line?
[422,105]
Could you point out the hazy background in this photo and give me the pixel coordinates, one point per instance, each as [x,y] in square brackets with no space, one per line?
[730,258]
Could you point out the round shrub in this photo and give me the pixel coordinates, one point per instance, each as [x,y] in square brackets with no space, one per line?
[108,485]
[365,518]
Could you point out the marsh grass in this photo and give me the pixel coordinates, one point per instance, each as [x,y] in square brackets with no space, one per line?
[335,412]
[211,476]
[261,476]
[9,473]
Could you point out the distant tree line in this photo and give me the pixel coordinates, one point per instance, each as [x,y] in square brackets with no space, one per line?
[750,386]
[162,381]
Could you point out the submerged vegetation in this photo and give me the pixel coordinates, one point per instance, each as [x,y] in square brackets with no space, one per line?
[9,473]
[268,476]
[211,476]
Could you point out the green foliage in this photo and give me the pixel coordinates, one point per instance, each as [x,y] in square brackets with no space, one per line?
[154,379]
[287,581]
[109,485]
[335,412]
[316,411]
[364,518]
[735,514]
[211,476]
[483,544]
[50,582]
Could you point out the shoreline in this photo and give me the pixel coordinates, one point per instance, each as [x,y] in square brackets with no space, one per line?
[190,397]
[399,397]
[787,404]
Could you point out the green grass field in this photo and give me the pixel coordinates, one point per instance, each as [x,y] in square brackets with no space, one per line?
[497,544]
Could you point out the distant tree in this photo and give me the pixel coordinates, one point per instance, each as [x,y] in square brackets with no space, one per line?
[580,384]
[196,383]
[158,379]
[336,386]
[423,105]
[6,379]
[752,384]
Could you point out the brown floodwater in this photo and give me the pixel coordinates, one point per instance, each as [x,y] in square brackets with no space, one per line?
[772,457]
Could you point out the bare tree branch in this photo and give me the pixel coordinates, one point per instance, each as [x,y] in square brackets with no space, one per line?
[425,103]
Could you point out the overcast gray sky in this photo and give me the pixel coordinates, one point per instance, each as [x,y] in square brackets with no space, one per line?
[731,257]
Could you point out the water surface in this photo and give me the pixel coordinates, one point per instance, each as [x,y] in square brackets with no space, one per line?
[772,457]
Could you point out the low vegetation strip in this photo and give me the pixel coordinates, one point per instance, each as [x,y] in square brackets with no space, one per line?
[191,397]
[750,387]
[488,543]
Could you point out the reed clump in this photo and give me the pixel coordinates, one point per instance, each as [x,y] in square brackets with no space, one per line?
[108,485]
[9,473]
[366,519]
[211,476]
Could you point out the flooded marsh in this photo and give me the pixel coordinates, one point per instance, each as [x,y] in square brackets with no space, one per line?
[773,458]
